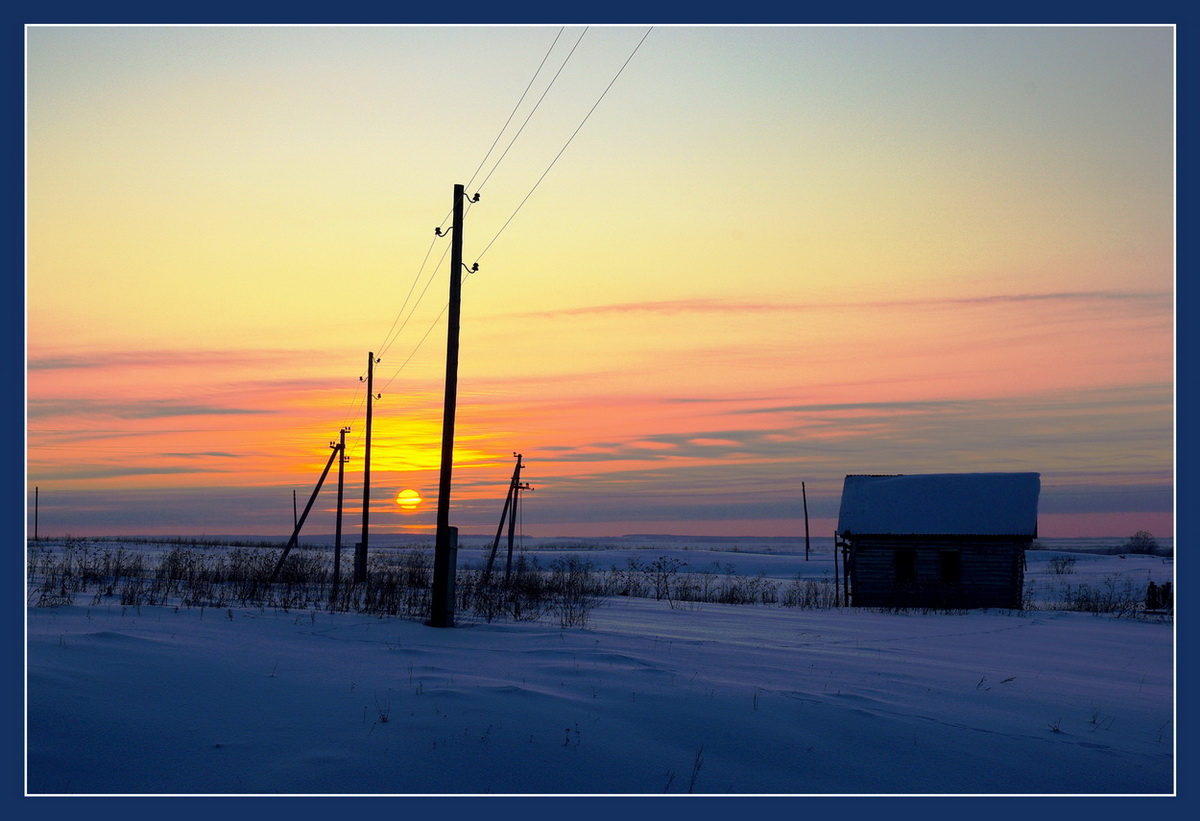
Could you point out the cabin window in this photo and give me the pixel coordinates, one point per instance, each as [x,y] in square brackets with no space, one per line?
[951,566]
[906,565]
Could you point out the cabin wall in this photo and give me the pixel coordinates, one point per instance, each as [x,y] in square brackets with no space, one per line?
[961,573]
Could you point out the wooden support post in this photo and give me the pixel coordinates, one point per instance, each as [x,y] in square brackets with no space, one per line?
[512,516]
[337,533]
[296,533]
[508,500]
[837,588]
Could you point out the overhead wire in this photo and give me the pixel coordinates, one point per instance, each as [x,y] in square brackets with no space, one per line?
[492,171]
[394,332]
[390,337]
[533,110]
[398,326]
[512,114]
[565,145]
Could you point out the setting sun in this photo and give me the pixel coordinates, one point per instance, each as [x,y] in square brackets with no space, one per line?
[408,499]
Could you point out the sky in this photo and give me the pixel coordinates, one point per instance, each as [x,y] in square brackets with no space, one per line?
[719,269]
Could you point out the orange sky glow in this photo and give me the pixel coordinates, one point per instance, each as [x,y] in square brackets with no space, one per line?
[767,256]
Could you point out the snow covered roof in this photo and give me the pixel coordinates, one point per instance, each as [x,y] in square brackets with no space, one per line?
[941,504]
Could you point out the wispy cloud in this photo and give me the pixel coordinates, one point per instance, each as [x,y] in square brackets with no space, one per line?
[125,471]
[146,409]
[46,360]
[1150,299]
[212,454]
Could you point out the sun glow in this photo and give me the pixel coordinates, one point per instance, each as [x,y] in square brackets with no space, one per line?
[408,499]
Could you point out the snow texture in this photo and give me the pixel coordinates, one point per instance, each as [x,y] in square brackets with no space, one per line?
[649,699]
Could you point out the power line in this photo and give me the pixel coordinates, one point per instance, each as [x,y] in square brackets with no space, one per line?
[421,342]
[504,127]
[533,110]
[389,338]
[386,347]
[394,332]
[568,142]
[517,106]
[398,324]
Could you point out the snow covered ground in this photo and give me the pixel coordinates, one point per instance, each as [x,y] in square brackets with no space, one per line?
[648,699]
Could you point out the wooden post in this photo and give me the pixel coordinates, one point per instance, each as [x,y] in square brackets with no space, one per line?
[837,587]
[845,575]
[337,533]
[445,547]
[512,515]
[299,524]
[508,500]
[804,494]
[360,551]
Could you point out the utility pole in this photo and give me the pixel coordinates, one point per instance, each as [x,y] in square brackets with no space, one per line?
[337,537]
[360,554]
[508,500]
[445,555]
[804,495]
[518,486]
[510,513]
[337,451]
[35,513]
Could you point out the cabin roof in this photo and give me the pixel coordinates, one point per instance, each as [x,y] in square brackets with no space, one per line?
[940,504]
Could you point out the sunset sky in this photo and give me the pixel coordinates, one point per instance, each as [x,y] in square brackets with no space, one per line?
[715,262]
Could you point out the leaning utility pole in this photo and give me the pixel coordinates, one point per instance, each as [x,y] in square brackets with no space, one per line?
[512,517]
[508,500]
[445,554]
[360,554]
[292,542]
[515,486]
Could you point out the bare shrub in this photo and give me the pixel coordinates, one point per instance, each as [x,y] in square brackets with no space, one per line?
[1114,596]
[1062,565]
[574,593]
[661,573]
[810,594]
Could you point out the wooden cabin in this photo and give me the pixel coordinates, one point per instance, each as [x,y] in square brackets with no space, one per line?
[944,540]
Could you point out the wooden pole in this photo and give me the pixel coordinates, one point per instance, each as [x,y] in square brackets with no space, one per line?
[445,547]
[845,575]
[804,494]
[337,533]
[508,500]
[35,513]
[360,553]
[512,516]
[299,524]
[512,526]
[837,587]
